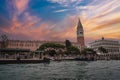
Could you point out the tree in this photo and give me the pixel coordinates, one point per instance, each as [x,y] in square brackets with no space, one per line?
[72,50]
[51,45]
[103,50]
[50,52]
[87,51]
[4,41]
[51,48]
[68,43]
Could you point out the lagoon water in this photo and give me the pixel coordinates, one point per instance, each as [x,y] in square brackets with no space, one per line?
[64,70]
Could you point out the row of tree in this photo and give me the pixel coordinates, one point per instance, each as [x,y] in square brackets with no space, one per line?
[68,49]
[56,48]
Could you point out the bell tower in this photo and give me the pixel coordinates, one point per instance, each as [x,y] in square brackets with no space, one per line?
[80,35]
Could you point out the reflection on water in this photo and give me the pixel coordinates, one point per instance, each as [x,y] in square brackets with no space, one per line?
[74,70]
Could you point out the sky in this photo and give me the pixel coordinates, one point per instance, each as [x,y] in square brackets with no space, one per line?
[57,19]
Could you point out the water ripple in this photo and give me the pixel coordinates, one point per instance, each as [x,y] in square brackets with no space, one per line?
[74,70]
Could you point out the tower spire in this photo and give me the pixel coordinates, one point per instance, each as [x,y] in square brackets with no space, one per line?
[79,24]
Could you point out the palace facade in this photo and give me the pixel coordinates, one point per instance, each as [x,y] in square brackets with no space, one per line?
[34,45]
[111,46]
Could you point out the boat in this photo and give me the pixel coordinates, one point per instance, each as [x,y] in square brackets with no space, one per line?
[19,61]
[84,59]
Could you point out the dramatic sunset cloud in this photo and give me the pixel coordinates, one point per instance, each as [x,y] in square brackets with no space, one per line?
[57,19]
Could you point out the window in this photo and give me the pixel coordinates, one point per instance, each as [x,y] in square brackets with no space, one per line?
[81,32]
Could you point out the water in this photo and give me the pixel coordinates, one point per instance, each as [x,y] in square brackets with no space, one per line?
[68,70]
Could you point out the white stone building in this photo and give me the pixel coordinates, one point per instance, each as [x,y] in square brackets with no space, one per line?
[111,46]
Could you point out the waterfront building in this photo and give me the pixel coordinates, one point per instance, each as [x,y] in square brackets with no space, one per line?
[111,46]
[34,45]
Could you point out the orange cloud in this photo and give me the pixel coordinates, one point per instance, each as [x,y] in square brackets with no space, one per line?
[107,24]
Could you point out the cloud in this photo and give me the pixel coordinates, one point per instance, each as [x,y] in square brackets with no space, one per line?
[62,10]
[107,24]
[66,3]
[59,32]
[21,5]
[16,8]
[27,23]
[84,7]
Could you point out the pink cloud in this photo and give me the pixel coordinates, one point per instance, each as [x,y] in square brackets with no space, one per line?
[21,5]
[44,31]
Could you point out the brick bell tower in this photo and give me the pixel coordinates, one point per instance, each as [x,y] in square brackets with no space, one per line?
[80,35]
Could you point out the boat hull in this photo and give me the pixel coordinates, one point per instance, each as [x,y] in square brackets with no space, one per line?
[23,61]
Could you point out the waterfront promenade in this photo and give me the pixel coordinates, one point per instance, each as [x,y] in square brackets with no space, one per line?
[13,56]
